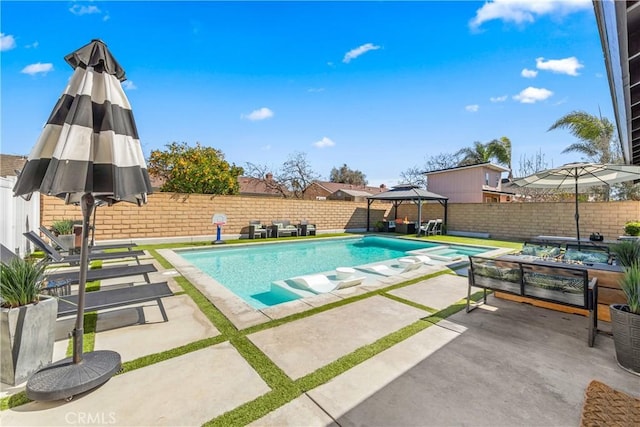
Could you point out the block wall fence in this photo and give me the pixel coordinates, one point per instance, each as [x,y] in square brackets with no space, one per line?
[170,215]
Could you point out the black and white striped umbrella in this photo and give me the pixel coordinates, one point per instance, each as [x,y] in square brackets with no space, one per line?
[90,143]
[88,152]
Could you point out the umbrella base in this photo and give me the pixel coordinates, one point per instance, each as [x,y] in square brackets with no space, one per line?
[65,379]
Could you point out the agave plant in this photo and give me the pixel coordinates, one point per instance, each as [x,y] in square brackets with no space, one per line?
[627,252]
[20,282]
[630,284]
[63,226]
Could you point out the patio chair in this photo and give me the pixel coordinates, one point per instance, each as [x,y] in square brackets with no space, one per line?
[320,284]
[113,272]
[257,230]
[541,250]
[54,239]
[427,227]
[421,258]
[112,298]
[306,229]
[283,227]
[55,257]
[437,228]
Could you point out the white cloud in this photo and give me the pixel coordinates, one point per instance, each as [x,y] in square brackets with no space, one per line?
[531,95]
[78,9]
[568,66]
[33,45]
[259,114]
[266,147]
[529,74]
[129,85]
[354,53]
[525,11]
[7,42]
[498,98]
[315,89]
[37,68]
[323,143]
[472,108]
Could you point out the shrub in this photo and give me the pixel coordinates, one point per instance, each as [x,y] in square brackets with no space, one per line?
[20,282]
[632,228]
[627,252]
[63,226]
[630,284]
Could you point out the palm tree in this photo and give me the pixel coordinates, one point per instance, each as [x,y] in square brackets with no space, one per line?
[499,150]
[595,134]
[596,139]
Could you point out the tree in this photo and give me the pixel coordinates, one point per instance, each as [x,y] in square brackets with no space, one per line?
[414,176]
[596,139]
[346,175]
[499,150]
[595,134]
[291,180]
[198,169]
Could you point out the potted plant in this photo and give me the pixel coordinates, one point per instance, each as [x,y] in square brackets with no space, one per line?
[625,318]
[63,228]
[27,321]
[632,228]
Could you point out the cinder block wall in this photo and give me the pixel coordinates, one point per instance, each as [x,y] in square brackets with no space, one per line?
[179,215]
[183,215]
[517,221]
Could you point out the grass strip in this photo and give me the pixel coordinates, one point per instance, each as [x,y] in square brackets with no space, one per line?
[14,400]
[89,336]
[411,303]
[151,359]
[268,371]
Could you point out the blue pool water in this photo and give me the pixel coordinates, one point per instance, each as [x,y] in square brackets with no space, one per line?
[248,271]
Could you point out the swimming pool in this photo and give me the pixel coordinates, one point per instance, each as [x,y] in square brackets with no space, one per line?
[248,271]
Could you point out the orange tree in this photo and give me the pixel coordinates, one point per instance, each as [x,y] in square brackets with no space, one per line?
[198,169]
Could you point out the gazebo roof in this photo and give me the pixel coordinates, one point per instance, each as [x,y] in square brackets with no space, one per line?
[408,192]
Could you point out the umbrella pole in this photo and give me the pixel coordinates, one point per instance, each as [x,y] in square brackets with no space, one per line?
[577,214]
[88,203]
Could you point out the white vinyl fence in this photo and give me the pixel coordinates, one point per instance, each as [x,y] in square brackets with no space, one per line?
[18,216]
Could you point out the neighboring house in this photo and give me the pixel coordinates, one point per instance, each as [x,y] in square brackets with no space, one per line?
[326,190]
[9,164]
[250,186]
[481,183]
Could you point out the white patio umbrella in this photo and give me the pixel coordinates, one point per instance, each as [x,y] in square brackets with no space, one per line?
[89,152]
[579,176]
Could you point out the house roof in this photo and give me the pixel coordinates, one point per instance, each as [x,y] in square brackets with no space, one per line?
[9,164]
[251,185]
[408,192]
[332,187]
[487,165]
[354,193]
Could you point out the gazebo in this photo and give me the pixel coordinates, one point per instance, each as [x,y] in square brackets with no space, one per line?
[408,192]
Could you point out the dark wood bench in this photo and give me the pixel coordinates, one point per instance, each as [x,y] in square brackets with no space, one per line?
[552,282]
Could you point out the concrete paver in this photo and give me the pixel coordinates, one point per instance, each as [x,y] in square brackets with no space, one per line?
[187,390]
[299,412]
[513,365]
[186,324]
[438,292]
[302,346]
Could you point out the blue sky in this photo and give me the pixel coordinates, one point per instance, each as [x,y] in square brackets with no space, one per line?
[379,86]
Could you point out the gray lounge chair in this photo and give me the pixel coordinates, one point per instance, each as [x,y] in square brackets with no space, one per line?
[115,272]
[283,227]
[257,230]
[56,257]
[95,248]
[112,298]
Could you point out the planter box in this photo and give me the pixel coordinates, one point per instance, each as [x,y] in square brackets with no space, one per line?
[26,339]
[626,337]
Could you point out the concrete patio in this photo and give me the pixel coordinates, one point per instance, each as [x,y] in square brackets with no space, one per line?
[503,364]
